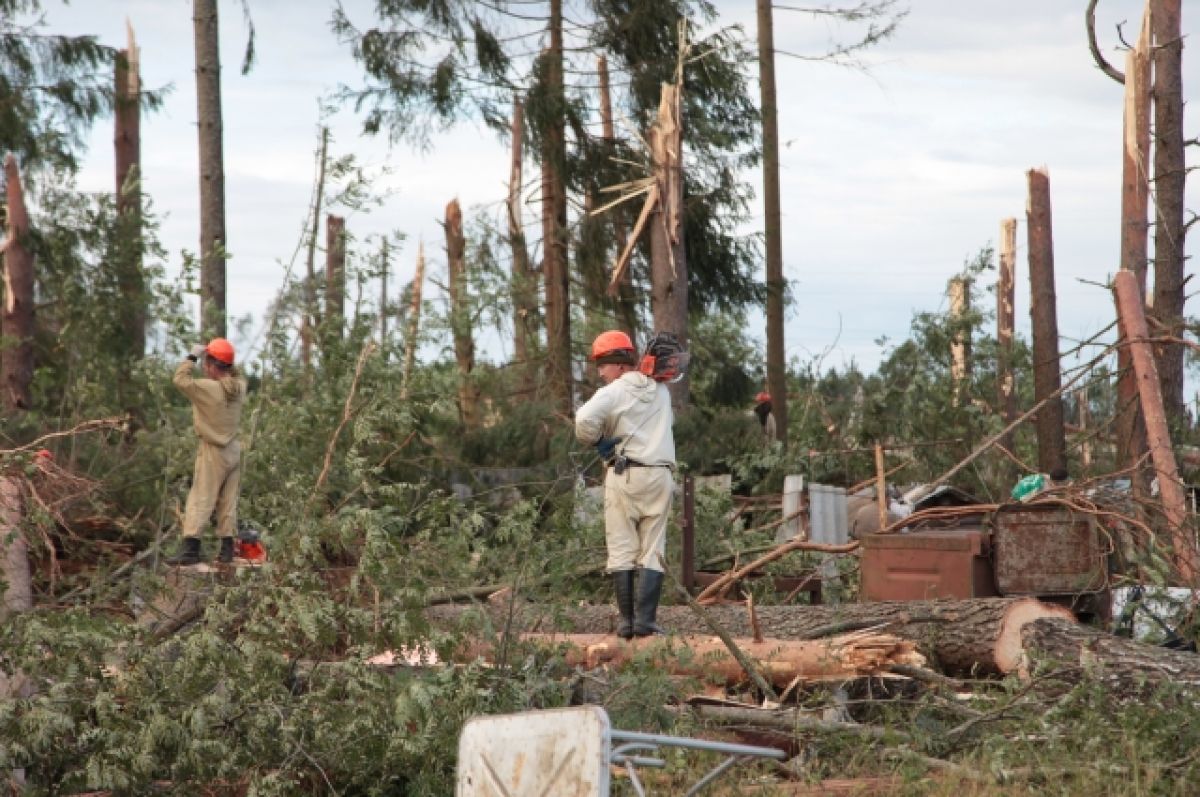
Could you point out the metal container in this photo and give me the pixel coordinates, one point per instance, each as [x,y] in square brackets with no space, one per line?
[922,565]
[1048,550]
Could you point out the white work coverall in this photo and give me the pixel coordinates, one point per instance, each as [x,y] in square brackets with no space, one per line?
[637,503]
[217,480]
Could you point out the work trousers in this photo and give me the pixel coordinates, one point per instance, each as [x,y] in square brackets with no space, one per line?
[215,486]
[637,506]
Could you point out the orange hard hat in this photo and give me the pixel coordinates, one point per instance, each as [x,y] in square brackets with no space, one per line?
[613,341]
[762,396]
[220,350]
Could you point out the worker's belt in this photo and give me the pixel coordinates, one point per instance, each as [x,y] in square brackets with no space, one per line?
[633,463]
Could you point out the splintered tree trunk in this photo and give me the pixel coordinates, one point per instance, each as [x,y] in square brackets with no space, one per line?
[128,149]
[962,636]
[1170,176]
[310,320]
[772,211]
[212,169]
[668,257]
[414,321]
[524,291]
[16,321]
[1135,197]
[335,274]
[1006,320]
[384,265]
[625,298]
[1047,378]
[960,347]
[554,227]
[460,315]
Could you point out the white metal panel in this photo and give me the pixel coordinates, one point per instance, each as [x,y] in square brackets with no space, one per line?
[554,753]
[793,489]
[827,514]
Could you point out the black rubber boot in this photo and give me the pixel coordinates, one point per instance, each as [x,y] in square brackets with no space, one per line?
[649,591]
[226,554]
[623,583]
[189,553]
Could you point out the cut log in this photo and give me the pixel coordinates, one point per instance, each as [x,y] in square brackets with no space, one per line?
[838,658]
[962,636]
[1128,667]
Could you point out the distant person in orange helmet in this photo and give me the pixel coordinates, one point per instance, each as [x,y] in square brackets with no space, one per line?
[217,398]
[766,418]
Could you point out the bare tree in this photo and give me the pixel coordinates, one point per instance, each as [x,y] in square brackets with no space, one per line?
[128,151]
[554,227]
[212,168]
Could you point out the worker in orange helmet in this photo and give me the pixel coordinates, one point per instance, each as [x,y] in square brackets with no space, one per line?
[766,418]
[629,421]
[217,398]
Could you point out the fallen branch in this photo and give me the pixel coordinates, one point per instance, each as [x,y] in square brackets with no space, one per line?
[715,589]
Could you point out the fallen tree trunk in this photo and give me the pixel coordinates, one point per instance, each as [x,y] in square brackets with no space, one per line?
[961,636]
[1127,667]
[781,661]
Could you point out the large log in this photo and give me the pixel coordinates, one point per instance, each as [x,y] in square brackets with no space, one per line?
[839,658]
[982,636]
[1128,667]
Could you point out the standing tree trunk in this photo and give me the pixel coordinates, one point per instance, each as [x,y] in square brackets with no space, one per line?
[16,372]
[212,169]
[335,275]
[16,321]
[460,316]
[626,300]
[1170,177]
[414,321]
[776,287]
[1043,312]
[668,258]
[524,291]
[383,296]
[554,224]
[1135,198]
[128,151]
[310,321]
[1006,321]
[960,345]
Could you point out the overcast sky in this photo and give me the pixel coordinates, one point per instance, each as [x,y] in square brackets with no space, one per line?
[892,178]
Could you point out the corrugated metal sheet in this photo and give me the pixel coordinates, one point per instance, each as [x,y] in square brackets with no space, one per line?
[828,518]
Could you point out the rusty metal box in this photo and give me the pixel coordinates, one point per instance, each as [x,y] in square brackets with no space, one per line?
[922,565]
[1048,550]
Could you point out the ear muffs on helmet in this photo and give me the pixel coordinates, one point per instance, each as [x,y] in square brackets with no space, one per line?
[665,359]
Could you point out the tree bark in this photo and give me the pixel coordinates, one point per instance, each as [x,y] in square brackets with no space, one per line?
[335,275]
[310,321]
[414,321]
[1129,668]
[213,242]
[1006,320]
[460,316]
[1134,334]
[554,226]
[626,300]
[1047,378]
[14,551]
[1135,197]
[1170,178]
[17,318]
[772,211]
[960,346]
[128,151]
[668,257]
[524,291]
[962,636]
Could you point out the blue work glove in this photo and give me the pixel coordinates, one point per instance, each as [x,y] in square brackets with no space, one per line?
[607,446]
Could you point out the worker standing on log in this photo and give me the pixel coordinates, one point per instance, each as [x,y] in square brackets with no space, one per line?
[629,421]
[217,400]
